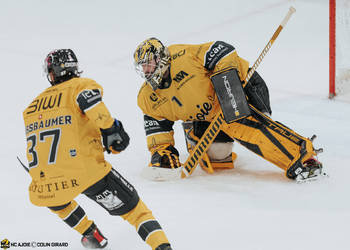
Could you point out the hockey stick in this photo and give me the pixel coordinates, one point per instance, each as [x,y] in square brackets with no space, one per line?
[215,125]
[24,166]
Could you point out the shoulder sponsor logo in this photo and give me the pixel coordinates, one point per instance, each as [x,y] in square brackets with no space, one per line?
[151,123]
[214,51]
[217,51]
[88,98]
[91,94]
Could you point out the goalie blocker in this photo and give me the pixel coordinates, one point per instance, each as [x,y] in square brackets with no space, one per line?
[232,99]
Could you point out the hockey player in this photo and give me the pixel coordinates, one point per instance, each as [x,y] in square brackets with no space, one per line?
[64,126]
[178,86]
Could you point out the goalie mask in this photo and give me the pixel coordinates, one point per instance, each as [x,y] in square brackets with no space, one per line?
[152,59]
[61,65]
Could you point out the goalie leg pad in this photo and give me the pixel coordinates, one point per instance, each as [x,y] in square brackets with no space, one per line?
[271,140]
[199,128]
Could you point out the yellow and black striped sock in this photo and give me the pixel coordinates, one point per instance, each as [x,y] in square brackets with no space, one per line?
[146,225]
[74,216]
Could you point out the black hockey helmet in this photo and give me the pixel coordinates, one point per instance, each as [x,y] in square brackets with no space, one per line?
[61,65]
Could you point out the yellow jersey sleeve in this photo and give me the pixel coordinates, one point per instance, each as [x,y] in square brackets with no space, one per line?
[89,99]
[159,130]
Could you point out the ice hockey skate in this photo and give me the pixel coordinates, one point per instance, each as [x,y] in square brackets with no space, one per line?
[93,238]
[164,247]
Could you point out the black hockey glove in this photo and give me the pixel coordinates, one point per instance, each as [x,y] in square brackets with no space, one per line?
[258,93]
[165,156]
[115,139]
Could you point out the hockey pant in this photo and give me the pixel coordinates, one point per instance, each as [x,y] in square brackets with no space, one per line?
[271,140]
[116,195]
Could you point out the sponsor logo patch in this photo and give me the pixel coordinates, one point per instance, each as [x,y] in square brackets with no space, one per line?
[217,51]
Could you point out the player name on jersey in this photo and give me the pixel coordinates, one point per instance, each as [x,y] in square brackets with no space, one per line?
[59,120]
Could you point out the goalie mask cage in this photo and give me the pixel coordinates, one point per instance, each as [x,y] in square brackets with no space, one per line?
[339,48]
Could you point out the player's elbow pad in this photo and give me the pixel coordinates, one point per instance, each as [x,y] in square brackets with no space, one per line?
[115,139]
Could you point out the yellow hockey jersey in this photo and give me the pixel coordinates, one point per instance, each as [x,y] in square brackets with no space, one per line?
[64,148]
[190,95]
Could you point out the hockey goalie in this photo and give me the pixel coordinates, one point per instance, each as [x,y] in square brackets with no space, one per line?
[180,85]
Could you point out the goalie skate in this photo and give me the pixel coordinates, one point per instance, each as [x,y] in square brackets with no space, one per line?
[312,170]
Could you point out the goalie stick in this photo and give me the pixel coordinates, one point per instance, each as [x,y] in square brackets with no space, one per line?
[215,125]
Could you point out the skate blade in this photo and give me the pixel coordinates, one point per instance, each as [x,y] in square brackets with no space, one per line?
[300,179]
[161,174]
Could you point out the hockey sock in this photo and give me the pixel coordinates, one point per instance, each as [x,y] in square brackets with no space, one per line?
[146,225]
[74,216]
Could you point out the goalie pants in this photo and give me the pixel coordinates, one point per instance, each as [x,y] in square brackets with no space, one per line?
[116,195]
[271,140]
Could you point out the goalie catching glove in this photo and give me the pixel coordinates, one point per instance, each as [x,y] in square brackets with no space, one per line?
[115,139]
[165,156]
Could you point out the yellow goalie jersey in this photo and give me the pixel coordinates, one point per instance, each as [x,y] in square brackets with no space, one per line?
[189,94]
[64,148]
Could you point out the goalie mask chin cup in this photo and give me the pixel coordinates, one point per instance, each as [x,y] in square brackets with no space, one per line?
[61,65]
[151,61]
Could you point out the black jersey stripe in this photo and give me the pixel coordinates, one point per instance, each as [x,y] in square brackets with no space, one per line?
[75,217]
[147,228]
[88,98]
[215,53]
[153,126]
